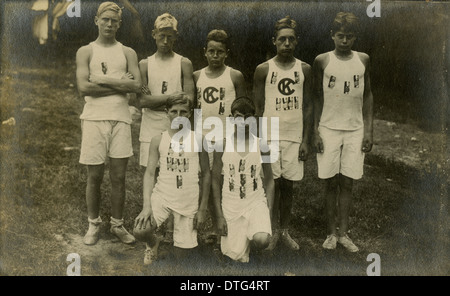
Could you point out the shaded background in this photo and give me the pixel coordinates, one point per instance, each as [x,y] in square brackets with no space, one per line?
[408,44]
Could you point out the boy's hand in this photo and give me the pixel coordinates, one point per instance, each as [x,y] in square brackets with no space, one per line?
[141,220]
[318,143]
[222,226]
[127,75]
[367,144]
[303,152]
[199,219]
[97,79]
[145,90]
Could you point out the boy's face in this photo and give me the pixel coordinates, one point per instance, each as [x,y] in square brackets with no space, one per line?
[343,40]
[216,53]
[108,23]
[179,110]
[285,42]
[165,39]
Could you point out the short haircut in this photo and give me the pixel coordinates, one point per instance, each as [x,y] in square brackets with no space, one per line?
[285,23]
[243,105]
[345,21]
[166,20]
[218,36]
[179,99]
[105,6]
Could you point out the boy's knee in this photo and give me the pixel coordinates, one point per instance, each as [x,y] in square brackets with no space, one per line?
[143,234]
[261,240]
[345,183]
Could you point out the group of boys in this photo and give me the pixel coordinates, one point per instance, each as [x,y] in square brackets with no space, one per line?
[327,106]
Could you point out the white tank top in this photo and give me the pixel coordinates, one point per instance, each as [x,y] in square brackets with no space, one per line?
[215,95]
[178,181]
[110,62]
[242,185]
[284,100]
[164,77]
[343,90]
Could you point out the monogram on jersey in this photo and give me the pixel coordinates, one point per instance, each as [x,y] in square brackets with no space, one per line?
[242,178]
[210,95]
[287,103]
[347,84]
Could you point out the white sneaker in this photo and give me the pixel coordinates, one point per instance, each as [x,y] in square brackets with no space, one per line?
[330,242]
[92,234]
[122,234]
[348,244]
[149,256]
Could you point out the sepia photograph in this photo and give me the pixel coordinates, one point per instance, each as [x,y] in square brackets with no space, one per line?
[211,138]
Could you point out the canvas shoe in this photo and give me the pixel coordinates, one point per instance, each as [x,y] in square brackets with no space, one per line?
[118,230]
[273,240]
[149,255]
[289,241]
[348,244]
[92,234]
[330,242]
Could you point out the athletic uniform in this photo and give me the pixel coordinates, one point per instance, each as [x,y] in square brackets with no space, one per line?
[214,98]
[162,79]
[105,121]
[284,100]
[177,188]
[244,203]
[341,125]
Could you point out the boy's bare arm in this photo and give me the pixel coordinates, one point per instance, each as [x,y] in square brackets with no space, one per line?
[85,87]
[206,179]
[217,192]
[188,78]
[367,107]
[149,184]
[259,80]
[269,185]
[307,111]
[317,100]
[239,83]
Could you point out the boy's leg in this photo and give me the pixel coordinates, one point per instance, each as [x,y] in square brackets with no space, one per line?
[331,193]
[117,173]
[345,199]
[275,216]
[151,240]
[93,195]
[286,198]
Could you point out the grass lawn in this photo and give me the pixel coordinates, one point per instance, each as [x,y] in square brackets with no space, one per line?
[400,210]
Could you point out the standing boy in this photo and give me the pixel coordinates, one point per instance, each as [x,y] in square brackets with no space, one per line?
[242,199]
[218,85]
[282,90]
[343,124]
[163,74]
[176,190]
[106,71]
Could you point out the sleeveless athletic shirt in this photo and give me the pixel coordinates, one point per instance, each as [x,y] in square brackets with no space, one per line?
[164,77]
[242,185]
[110,62]
[178,181]
[215,95]
[284,99]
[343,89]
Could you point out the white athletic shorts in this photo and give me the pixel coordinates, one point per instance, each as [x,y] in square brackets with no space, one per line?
[104,138]
[236,244]
[288,165]
[341,153]
[184,235]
